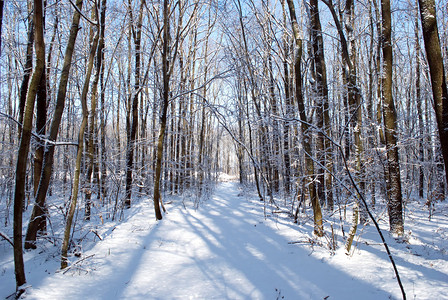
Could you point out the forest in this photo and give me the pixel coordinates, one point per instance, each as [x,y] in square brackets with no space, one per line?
[331,114]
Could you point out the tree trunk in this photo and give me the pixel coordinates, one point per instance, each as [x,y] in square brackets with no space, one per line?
[353,92]
[370,108]
[79,155]
[2,2]
[181,130]
[103,120]
[27,72]
[19,194]
[275,155]
[74,197]
[54,129]
[288,107]
[240,149]
[418,100]
[324,145]
[318,222]
[92,137]
[393,180]
[437,71]
[134,109]
[165,98]
[41,122]
[201,149]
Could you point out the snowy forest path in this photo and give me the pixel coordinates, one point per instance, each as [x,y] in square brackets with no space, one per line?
[225,249]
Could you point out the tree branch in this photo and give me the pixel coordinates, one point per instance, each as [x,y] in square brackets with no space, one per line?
[3,235]
[38,136]
[82,15]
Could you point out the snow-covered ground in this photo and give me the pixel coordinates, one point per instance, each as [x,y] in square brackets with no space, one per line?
[229,249]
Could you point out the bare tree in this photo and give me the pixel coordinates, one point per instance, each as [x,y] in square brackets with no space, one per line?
[348,54]
[437,71]
[289,113]
[166,74]
[19,195]
[305,128]
[320,72]
[47,165]
[92,143]
[132,131]
[393,180]
[79,155]
[419,101]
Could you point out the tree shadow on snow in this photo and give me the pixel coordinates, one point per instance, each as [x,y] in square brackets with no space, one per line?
[246,259]
[223,250]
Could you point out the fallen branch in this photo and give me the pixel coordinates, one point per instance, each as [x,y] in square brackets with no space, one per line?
[299,242]
[82,259]
[73,265]
[96,233]
[308,241]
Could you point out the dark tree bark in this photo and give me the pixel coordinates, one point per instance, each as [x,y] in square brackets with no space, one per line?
[241,136]
[421,151]
[132,131]
[41,122]
[436,69]
[181,128]
[1,23]
[393,180]
[165,98]
[287,129]
[27,72]
[202,142]
[103,120]
[275,143]
[41,114]
[19,194]
[323,119]
[54,130]
[289,112]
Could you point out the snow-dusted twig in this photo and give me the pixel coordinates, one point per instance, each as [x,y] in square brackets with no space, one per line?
[74,265]
[7,238]
[38,136]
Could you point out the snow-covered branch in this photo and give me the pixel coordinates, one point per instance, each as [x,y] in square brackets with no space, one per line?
[39,137]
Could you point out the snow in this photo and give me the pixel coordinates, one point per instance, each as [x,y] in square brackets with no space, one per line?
[228,249]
